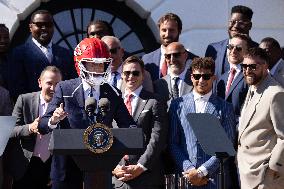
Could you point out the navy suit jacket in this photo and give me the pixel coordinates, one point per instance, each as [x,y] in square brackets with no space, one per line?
[152,62]
[218,51]
[237,93]
[27,62]
[77,118]
[182,136]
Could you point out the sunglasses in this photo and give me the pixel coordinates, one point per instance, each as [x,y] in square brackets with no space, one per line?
[204,76]
[250,66]
[114,50]
[231,47]
[175,55]
[41,24]
[133,73]
[240,22]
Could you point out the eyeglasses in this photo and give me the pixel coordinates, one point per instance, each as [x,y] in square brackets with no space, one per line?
[114,50]
[250,66]
[231,47]
[175,55]
[204,76]
[241,22]
[41,24]
[135,73]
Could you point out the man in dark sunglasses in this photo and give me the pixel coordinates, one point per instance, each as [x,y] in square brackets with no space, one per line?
[261,127]
[117,53]
[276,62]
[200,100]
[29,59]
[231,85]
[240,22]
[149,113]
[177,82]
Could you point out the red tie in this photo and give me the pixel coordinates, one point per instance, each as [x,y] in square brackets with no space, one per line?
[230,79]
[128,103]
[164,69]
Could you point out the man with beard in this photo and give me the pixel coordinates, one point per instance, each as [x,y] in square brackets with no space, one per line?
[30,58]
[28,156]
[240,22]
[276,63]
[170,26]
[261,127]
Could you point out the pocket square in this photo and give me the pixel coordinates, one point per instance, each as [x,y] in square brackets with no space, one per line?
[144,111]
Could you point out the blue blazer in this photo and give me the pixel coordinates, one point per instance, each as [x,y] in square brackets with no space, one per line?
[218,51]
[237,92]
[26,63]
[182,139]
[77,118]
[152,62]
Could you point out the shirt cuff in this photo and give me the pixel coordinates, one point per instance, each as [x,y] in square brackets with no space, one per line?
[51,126]
[202,170]
[142,166]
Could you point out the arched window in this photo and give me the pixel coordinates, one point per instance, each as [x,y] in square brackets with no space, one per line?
[72,17]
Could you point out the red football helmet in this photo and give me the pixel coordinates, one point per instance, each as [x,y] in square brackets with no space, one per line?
[93,50]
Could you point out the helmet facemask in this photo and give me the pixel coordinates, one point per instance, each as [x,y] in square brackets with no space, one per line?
[95,71]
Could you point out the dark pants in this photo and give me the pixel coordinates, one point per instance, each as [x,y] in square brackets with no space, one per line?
[36,175]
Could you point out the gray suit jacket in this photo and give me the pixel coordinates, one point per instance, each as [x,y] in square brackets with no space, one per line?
[279,73]
[150,115]
[22,142]
[163,87]
[261,134]
[6,106]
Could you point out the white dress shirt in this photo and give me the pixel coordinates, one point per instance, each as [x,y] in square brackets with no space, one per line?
[180,81]
[118,77]
[134,99]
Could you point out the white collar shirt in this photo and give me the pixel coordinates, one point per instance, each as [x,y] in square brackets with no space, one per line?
[134,99]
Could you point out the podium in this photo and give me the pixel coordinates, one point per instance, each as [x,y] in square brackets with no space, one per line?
[96,167]
[212,138]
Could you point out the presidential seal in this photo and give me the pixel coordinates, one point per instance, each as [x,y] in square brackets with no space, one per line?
[98,138]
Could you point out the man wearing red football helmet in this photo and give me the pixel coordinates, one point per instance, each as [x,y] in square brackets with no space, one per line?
[93,63]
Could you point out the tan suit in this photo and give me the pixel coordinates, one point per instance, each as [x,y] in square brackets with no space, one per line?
[261,137]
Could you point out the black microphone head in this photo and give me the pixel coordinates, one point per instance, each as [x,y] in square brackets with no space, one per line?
[104,106]
[90,105]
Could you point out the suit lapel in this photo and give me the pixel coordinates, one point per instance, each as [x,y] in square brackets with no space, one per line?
[210,107]
[35,105]
[250,107]
[142,101]
[35,51]
[168,80]
[186,85]
[79,94]
[239,77]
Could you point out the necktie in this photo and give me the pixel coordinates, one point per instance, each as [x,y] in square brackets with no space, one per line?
[230,79]
[175,90]
[128,103]
[164,69]
[114,83]
[48,53]
[91,92]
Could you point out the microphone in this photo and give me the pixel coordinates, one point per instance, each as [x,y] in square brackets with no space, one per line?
[104,106]
[90,106]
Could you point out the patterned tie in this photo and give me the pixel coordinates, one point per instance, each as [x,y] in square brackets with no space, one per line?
[128,103]
[48,53]
[175,90]
[91,92]
[230,79]
[114,83]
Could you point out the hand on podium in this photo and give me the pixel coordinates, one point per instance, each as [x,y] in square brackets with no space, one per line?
[58,115]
